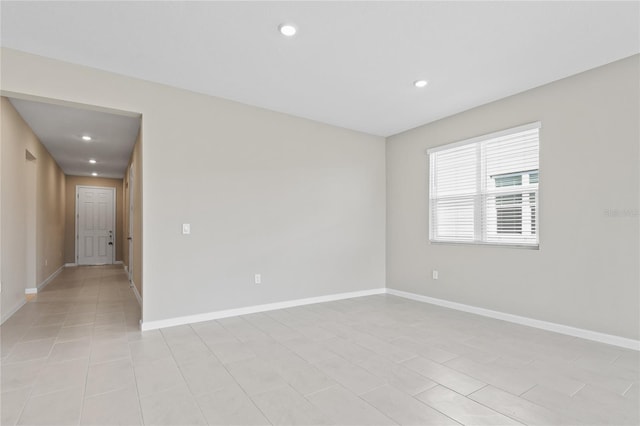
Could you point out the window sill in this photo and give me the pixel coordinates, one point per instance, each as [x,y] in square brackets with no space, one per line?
[498,245]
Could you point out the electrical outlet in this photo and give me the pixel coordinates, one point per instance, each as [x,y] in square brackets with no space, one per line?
[434,274]
[186,228]
[257,278]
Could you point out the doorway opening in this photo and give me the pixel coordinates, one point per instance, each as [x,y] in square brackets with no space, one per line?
[130,182]
[31,285]
[81,149]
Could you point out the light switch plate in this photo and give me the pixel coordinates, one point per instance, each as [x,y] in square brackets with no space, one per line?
[186,228]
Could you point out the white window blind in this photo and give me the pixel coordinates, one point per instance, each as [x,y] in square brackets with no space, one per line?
[485,190]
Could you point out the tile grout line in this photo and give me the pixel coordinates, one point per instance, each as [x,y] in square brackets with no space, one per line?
[305,396]
[228,372]
[434,408]
[357,396]
[26,401]
[522,421]
[135,377]
[486,406]
[627,390]
[195,399]
[86,379]
[341,385]
[522,393]
[576,392]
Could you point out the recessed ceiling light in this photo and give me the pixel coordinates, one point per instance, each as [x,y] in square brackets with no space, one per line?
[94,174]
[287,30]
[86,138]
[420,83]
[92,161]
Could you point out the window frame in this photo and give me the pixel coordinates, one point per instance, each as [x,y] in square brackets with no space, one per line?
[480,225]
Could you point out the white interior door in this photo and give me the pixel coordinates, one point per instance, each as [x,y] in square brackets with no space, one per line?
[95,225]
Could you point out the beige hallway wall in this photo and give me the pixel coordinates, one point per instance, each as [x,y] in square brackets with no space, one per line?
[14,208]
[50,214]
[586,273]
[70,211]
[16,139]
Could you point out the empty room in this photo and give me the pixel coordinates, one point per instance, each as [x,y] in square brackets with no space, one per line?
[320,213]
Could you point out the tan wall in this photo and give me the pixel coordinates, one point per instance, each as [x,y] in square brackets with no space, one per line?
[4,314]
[50,215]
[137,218]
[16,138]
[586,273]
[70,210]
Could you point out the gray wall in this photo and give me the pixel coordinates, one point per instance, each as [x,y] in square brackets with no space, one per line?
[300,202]
[586,272]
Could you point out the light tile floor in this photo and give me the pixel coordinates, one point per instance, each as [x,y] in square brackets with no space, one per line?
[74,355]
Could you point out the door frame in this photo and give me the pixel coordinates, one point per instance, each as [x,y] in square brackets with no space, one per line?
[113,219]
[31,180]
[130,223]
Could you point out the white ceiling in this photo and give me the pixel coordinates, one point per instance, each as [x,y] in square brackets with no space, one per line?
[60,129]
[352,64]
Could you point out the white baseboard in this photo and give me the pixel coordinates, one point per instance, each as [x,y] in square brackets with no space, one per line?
[190,319]
[71,265]
[544,325]
[43,284]
[51,278]
[135,291]
[7,315]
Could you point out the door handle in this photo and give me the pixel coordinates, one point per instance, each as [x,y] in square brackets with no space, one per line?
[110,243]
[129,238]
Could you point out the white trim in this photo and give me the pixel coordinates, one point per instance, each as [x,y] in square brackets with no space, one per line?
[70,265]
[43,284]
[8,315]
[118,262]
[51,277]
[609,339]
[535,246]
[69,104]
[135,291]
[517,129]
[130,218]
[190,319]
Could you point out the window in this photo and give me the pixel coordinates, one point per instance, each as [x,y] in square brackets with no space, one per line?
[509,208]
[485,190]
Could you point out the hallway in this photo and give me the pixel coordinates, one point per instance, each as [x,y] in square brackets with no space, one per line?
[87,315]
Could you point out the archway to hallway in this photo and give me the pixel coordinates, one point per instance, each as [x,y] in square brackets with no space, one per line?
[56,159]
